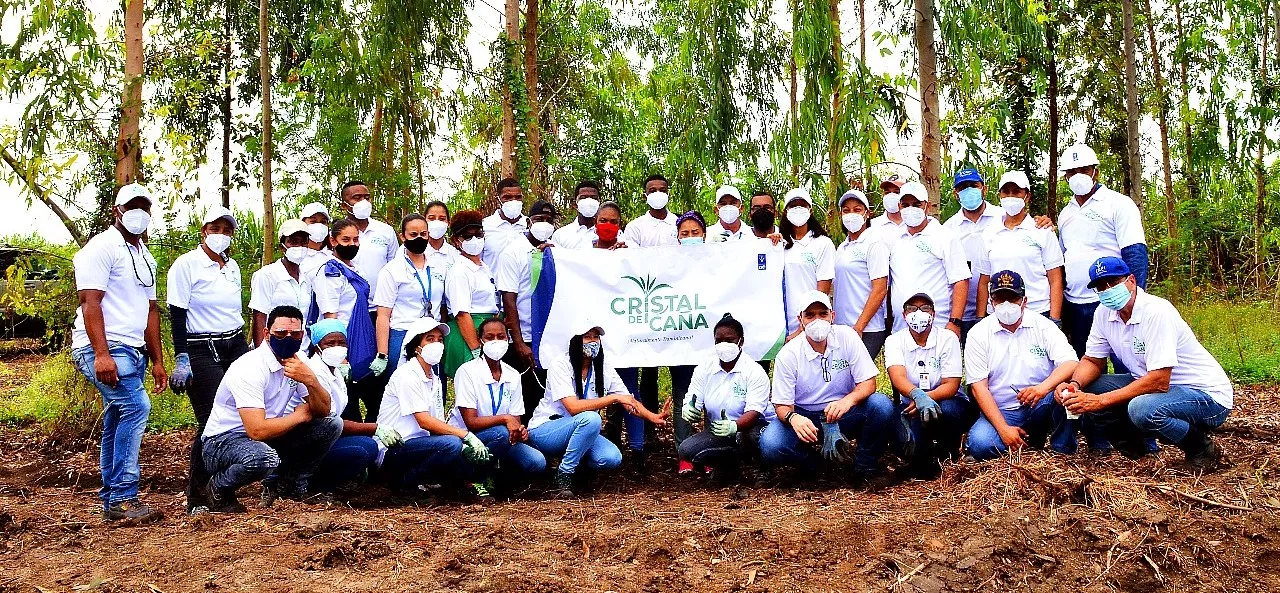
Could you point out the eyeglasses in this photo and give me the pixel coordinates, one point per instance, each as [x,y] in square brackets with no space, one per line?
[284,333]
[826,368]
[150,270]
[913,308]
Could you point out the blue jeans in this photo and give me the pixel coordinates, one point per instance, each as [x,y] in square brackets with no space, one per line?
[618,416]
[395,349]
[126,408]
[1169,416]
[1046,417]
[704,448]
[290,460]
[943,438]
[347,460]
[518,457]
[430,459]
[867,422]
[577,438]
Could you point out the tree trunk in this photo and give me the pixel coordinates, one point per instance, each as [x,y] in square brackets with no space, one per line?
[42,194]
[1188,165]
[835,139]
[507,168]
[375,135]
[1259,164]
[129,144]
[931,139]
[1051,42]
[1131,106]
[537,174]
[226,104]
[795,117]
[269,238]
[1162,116]
[862,31]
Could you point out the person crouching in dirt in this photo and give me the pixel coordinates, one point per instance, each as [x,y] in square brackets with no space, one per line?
[1013,360]
[1175,390]
[271,420]
[824,391]
[924,365]
[732,392]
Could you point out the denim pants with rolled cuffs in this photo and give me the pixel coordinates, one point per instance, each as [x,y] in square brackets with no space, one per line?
[1044,420]
[126,408]
[1168,416]
[578,440]
[867,423]
[287,461]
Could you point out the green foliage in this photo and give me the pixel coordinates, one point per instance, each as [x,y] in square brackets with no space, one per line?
[54,300]
[1243,336]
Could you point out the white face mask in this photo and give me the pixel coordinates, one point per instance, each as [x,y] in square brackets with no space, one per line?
[495,349]
[362,209]
[657,200]
[334,356]
[217,242]
[853,221]
[1008,313]
[728,351]
[317,231]
[511,209]
[890,203]
[919,321]
[729,213]
[1080,183]
[436,228]
[431,352]
[473,246]
[798,215]
[818,330]
[1013,206]
[541,230]
[588,207]
[136,221]
[913,216]
[296,254]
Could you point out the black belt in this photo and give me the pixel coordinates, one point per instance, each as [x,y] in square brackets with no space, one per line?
[218,337]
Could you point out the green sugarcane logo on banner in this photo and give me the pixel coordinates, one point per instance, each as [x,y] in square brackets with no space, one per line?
[669,311]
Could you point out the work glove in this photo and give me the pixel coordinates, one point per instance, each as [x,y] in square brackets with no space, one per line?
[724,427]
[905,438]
[476,352]
[925,406]
[181,373]
[379,365]
[691,412]
[389,437]
[474,450]
[835,447]
[344,371]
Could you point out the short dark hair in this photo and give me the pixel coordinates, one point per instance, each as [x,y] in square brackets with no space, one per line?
[497,320]
[435,204]
[285,311]
[654,177]
[585,183]
[507,182]
[760,191]
[342,193]
[731,323]
[340,224]
[404,222]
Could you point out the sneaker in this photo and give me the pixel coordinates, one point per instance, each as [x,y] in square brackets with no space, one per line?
[270,494]
[562,486]
[131,511]
[1206,459]
[684,468]
[197,510]
[221,502]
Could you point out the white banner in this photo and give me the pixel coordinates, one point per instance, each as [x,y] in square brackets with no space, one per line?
[659,306]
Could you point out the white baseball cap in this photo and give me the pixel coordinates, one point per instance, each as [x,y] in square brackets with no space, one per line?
[313,209]
[1077,156]
[1017,178]
[134,190]
[217,212]
[292,226]
[423,325]
[585,325]
[815,296]
[798,193]
[728,190]
[854,194]
[914,188]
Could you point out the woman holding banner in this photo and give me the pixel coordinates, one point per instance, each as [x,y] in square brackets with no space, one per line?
[808,261]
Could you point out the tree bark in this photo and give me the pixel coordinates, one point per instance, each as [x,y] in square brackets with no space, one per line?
[835,140]
[227,15]
[42,194]
[931,138]
[129,144]
[862,31]
[1188,165]
[1259,164]
[1051,42]
[507,168]
[1162,117]
[795,117]
[269,238]
[1131,105]
[537,174]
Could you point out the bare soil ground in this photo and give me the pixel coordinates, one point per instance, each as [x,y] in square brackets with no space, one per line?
[1037,523]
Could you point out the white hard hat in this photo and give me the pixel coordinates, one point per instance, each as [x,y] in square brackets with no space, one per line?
[1078,156]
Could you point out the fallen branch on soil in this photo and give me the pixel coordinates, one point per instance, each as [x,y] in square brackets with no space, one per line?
[906,577]
[1187,495]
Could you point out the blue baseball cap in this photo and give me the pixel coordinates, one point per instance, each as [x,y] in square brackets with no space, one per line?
[1107,267]
[966,175]
[1008,281]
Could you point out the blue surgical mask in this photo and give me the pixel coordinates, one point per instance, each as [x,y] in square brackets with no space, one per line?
[970,198]
[1115,298]
[591,349]
[692,240]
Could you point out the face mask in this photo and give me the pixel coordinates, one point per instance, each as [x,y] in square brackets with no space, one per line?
[913,216]
[798,215]
[436,228]
[762,220]
[919,321]
[135,221]
[607,231]
[1013,206]
[970,198]
[657,200]
[591,349]
[511,209]
[317,232]
[473,246]
[362,209]
[334,355]
[692,240]
[890,203]
[431,352]
[495,349]
[727,351]
[346,252]
[588,207]
[541,230]
[1080,183]
[729,214]
[853,221]
[284,347]
[217,242]
[1008,313]
[1115,298]
[416,245]
[296,254]
[818,330]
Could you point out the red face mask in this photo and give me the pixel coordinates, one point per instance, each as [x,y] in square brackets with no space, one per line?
[607,231]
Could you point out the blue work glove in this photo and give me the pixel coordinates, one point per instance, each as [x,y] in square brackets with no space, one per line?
[379,365]
[925,406]
[834,446]
[724,427]
[691,412]
[902,427]
[181,373]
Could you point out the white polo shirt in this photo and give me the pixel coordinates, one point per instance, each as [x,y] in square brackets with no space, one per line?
[971,236]
[1012,361]
[858,262]
[255,380]
[1156,337]
[315,260]
[799,378]
[440,258]
[514,274]
[560,385]
[272,286]
[744,389]
[1027,250]
[1107,222]
[471,288]
[811,259]
[717,232]
[410,292]
[332,382]
[499,234]
[210,293]
[474,387]
[127,277]
[334,294]
[926,365]
[408,392]
[378,244]
[930,262]
[889,231]
[647,231]
[574,236]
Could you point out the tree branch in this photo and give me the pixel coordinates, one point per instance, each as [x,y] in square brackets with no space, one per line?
[43,195]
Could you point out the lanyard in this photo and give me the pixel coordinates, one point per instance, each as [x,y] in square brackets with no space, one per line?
[496,404]
[426,290]
[586,385]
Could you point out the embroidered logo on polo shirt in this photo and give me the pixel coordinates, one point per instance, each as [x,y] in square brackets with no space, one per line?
[380,241]
[1039,351]
[1139,347]
[1031,242]
[739,390]
[839,364]
[924,247]
[810,258]
[858,253]
[1091,215]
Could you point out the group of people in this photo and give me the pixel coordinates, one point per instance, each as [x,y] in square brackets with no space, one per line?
[989,324]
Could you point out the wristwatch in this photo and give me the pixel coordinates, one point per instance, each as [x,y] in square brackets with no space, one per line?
[955,320]
[381,356]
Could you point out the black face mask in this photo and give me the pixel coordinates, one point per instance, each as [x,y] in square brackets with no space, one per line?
[762,220]
[346,252]
[284,347]
[416,245]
